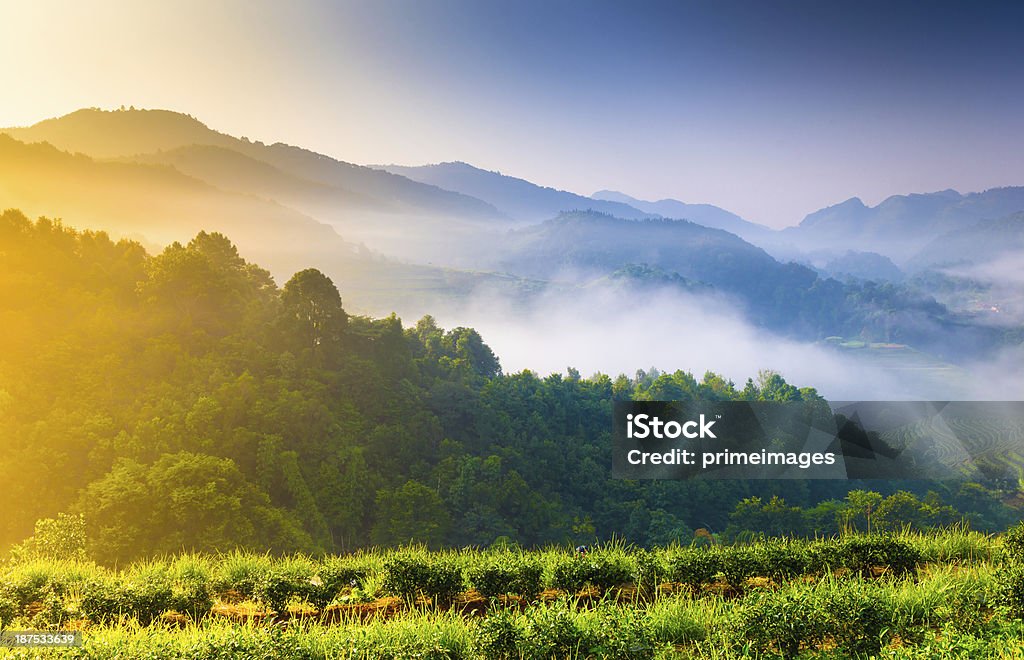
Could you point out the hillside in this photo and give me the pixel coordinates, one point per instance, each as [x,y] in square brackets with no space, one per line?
[517,198]
[978,244]
[902,224]
[159,204]
[702,214]
[128,133]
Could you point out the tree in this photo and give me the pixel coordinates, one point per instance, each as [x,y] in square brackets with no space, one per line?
[312,314]
[412,512]
[183,501]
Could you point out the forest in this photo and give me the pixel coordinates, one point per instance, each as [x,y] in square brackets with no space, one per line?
[184,402]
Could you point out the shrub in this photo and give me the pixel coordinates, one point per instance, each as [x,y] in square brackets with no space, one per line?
[740,564]
[53,614]
[408,576]
[552,632]
[695,566]
[862,553]
[602,571]
[824,556]
[783,560]
[499,635]
[1011,589]
[507,575]
[648,573]
[101,601]
[620,634]
[146,601]
[8,610]
[782,621]
[192,597]
[859,618]
[241,572]
[277,586]
[1013,545]
[331,577]
[671,623]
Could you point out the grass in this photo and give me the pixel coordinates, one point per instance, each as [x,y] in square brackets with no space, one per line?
[772,600]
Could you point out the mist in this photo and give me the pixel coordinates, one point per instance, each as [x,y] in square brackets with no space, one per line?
[617,330]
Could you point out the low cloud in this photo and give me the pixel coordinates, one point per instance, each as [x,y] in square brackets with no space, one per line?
[614,329]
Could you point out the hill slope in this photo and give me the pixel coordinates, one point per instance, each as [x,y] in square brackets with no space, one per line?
[121,134]
[517,198]
[902,224]
[702,214]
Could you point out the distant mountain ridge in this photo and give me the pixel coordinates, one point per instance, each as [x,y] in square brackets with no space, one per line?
[982,242]
[702,214]
[902,224]
[517,198]
[127,134]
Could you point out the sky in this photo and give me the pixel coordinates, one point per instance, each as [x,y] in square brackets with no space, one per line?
[769,109]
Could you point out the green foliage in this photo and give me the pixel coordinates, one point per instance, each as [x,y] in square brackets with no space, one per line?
[63,537]
[332,576]
[183,401]
[865,553]
[695,566]
[240,572]
[500,635]
[507,574]
[781,621]
[410,575]
[599,569]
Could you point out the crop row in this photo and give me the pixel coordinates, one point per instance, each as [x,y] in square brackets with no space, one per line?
[50,592]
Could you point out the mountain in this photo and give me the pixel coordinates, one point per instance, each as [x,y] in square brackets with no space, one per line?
[517,198]
[901,225]
[703,214]
[159,203]
[859,265]
[133,133]
[583,245]
[982,243]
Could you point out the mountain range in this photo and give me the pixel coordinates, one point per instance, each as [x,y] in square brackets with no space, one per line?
[403,238]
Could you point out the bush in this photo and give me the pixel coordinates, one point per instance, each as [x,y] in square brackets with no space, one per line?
[575,572]
[859,618]
[408,577]
[146,601]
[824,556]
[671,623]
[695,567]
[862,553]
[553,632]
[1011,589]
[331,577]
[499,635]
[783,560]
[782,621]
[277,587]
[241,573]
[9,610]
[1013,545]
[740,564]
[30,583]
[507,575]
[192,597]
[621,634]
[648,573]
[101,601]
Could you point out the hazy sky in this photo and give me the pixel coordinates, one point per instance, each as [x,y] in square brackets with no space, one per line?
[769,109]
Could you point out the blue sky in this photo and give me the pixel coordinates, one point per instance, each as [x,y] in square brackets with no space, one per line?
[769,109]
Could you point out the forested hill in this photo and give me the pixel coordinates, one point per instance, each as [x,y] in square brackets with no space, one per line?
[185,401]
